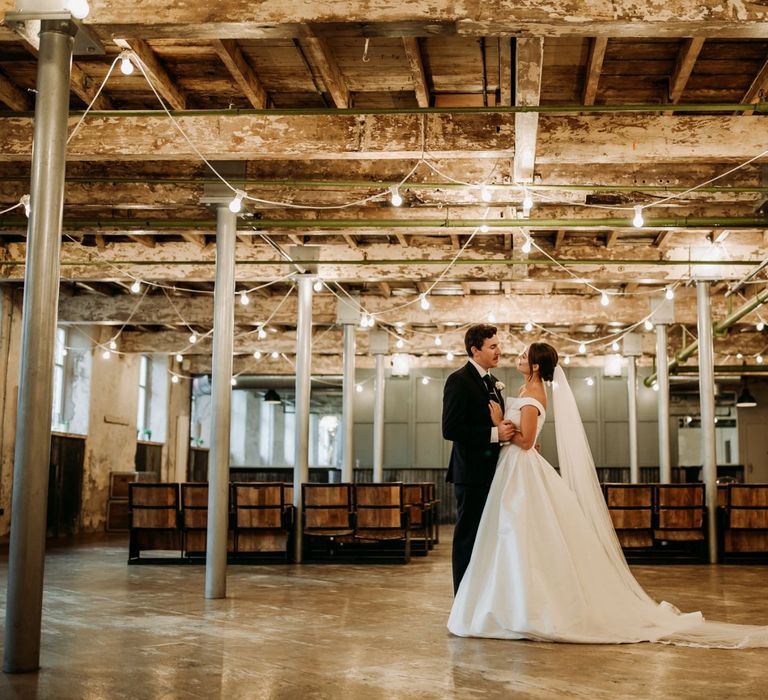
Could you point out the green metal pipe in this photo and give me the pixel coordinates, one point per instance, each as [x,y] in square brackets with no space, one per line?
[720,327]
[267,224]
[760,108]
[384,184]
[727,369]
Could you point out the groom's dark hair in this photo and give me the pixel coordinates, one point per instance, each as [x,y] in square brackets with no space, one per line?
[476,335]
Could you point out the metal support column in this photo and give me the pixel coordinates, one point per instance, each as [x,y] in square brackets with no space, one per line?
[303,388]
[378,421]
[221,395]
[634,469]
[348,399]
[662,362]
[26,558]
[707,399]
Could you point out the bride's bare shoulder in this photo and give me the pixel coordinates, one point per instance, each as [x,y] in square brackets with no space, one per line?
[534,393]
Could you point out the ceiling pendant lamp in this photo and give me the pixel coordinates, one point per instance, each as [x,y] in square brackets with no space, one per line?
[745,400]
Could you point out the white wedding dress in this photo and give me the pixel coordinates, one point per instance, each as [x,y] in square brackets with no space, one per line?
[547,566]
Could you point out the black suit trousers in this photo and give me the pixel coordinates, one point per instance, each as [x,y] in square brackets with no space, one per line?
[470,502]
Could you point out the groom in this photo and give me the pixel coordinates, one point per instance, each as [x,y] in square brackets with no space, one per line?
[467,422]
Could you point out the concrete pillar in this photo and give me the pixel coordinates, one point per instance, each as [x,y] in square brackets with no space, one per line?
[221,398]
[662,379]
[634,469]
[707,401]
[303,388]
[26,556]
[348,405]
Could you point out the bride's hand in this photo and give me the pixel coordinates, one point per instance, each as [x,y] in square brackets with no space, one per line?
[497,415]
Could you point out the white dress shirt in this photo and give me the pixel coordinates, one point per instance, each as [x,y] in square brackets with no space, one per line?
[482,372]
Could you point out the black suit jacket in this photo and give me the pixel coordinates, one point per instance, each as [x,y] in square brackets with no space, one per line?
[467,422]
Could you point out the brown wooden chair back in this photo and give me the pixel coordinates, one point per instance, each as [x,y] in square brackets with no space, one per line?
[379,506]
[258,505]
[327,507]
[153,506]
[630,505]
[680,506]
[748,506]
[194,506]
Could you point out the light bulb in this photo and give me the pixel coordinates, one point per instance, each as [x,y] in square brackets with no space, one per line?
[424,302]
[604,300]
[485,193]
[491,318]
[400,344]
[449,356]
[394,196]
[233,381]
[257,355]
[64,352]
[237,203]
[669,294]
[438,340]
[193,338]
[638,221]
[589,381]
[526,247]
[175,378]
[179,357]
[275,354]
[106,354]
[759,359]
[528,327]
[567,360]
[527,200]
[655,386]
[760,325]
[364,321]
[582,348]
[425,380]
[112,345]
[359,388]
[739,356]
[261,333]
[136,287]
[78,8]
[318,286]
[25,202]
[647,324]
[615,346]
[126,67]
[244,300]
[484,228]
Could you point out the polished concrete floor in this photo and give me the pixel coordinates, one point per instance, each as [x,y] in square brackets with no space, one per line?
[342,631]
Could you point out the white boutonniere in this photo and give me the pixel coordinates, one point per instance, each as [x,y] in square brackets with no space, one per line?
[500,386]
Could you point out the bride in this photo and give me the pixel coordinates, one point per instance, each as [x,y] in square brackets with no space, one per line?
[546,564]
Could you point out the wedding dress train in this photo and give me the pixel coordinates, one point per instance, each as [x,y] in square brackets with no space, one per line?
[547,566]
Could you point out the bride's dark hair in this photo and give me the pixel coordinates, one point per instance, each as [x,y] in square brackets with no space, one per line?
[545,356]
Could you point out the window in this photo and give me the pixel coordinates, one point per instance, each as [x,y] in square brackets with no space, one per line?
[58,422]
[144,403]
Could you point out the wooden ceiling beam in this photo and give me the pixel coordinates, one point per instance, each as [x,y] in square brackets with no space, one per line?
[196,239]
[246,19]
[529,58]
[686,59]
[416,63]
[757,89]
[505,71]
[574,140]
[597,47]
[322,57]
[559,238]
[147,241]
[12,96]
[162,81]
[232,57]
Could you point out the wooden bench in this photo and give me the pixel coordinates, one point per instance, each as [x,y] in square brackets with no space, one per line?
[263,520]
[745,525]
[154,521]
[680,529]
[631,508]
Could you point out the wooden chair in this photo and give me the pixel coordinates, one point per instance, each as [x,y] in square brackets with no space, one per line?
[263,520]
[631,508]
[327,518]
[416,496]
[383,520]
[154,520]
[746,522]
[681,520]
